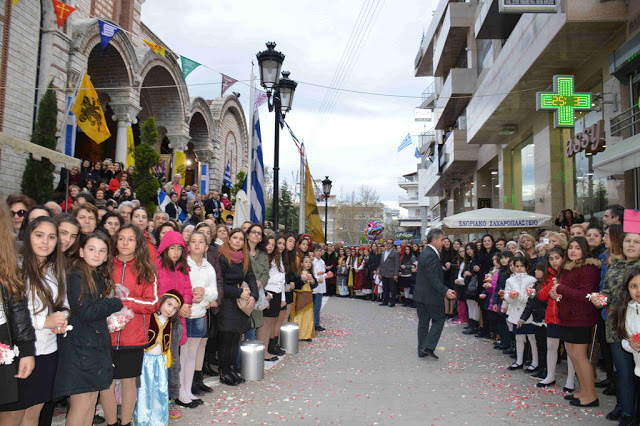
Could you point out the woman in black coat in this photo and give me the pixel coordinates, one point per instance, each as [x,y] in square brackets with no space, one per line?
[567,218]
[482,268]
[235,267]
[372,265]
[84,355]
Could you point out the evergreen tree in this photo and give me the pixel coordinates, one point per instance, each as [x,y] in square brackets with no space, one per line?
[146,157]
[237,186]
[37,179]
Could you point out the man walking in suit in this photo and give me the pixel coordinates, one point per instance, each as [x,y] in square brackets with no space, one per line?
[429,294]
[389,270]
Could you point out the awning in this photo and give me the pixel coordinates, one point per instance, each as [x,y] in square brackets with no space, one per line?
[485,220]
[20,146]
[626,59]
[617,158]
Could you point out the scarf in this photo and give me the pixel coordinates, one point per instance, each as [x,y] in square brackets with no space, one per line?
[237,256]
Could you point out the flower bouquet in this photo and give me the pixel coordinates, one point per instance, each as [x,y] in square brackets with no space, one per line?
[513,294]
[531,292]
[7,355]
[117,320]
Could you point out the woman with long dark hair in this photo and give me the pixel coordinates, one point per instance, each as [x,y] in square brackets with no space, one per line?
[470,262]
[276,286]
[43,272]
[134,271]
[404,280]
[482,268]
[235,267]
[84,356]
[447,256]
[330,258]
[580,277]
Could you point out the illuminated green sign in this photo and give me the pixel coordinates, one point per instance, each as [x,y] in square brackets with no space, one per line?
[563,101]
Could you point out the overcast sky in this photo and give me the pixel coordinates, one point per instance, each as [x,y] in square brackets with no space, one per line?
[356,142]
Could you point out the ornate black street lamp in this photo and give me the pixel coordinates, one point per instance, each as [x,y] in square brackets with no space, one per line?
[326,189]
[270,62]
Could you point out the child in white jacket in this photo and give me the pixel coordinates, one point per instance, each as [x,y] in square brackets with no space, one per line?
[516,294]
[626,316]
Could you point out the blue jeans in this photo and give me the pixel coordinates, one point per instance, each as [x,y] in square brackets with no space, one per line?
[248,335]
[623,361]
[317,304]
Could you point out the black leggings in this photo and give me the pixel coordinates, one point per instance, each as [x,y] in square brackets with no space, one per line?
[228,350]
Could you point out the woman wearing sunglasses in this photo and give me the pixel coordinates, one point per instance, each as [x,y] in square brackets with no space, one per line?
[19,205]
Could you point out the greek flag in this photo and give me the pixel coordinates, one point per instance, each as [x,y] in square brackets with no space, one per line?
[163,200]
[256,198]
[226,181]
[417,153]
[405,142]
[70,133]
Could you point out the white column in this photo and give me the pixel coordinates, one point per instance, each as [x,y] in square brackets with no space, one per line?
[125,114]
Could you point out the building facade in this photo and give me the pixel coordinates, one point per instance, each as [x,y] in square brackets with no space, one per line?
[132,81]
[492,148]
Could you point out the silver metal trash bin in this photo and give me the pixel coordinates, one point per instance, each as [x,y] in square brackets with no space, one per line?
[289,337]
[252,360]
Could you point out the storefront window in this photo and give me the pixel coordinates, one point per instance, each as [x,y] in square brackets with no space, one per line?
[593,195]
[495,189]
[524,178]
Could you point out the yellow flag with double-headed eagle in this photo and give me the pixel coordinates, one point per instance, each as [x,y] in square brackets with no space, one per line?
[89,113]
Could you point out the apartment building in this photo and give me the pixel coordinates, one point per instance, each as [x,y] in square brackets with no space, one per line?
[491,147]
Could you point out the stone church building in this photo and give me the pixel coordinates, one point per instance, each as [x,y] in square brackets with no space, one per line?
[132,81]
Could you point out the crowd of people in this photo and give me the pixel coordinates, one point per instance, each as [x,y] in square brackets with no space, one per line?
[574,292]
[108,305]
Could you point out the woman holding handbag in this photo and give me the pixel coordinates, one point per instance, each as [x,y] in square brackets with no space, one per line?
[240,294]
[471,287]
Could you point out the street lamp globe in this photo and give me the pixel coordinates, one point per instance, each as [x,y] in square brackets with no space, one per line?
[270,63]
[326,186]
[287,88]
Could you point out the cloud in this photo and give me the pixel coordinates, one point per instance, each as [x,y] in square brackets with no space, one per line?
[356,143]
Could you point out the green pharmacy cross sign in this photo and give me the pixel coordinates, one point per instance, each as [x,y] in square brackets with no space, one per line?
[563,102]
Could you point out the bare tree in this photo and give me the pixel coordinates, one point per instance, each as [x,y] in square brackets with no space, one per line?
[368,196]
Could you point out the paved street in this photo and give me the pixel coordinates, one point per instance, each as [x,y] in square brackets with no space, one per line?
[364,371]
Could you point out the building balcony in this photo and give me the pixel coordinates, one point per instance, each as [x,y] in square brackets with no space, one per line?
[407,222]
[540,46]
[455,159]
[426,142]
[408,202]
[452,37]
[429,97]
[491,24]
[408,182]
[455,96]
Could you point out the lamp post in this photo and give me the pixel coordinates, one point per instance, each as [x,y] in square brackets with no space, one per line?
[270,62]
[286,203]
[326,189]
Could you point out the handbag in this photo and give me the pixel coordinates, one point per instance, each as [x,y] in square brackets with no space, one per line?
[631,221]
[245,305]
[212,323]
[262,302]
[471,289]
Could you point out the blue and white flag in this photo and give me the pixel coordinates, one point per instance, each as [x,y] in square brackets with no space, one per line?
[107,32]
[163,199]
[256,198]
[226,180]
[417,153]
[405,142]
[70,131]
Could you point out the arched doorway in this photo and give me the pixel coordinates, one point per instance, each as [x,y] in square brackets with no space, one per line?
[108,73]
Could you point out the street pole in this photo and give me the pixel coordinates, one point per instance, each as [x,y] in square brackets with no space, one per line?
[303,198]
[326,214]
[276,160]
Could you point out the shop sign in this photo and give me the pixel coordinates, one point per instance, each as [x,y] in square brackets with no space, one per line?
[484,203]
[528,6]
[590,139]
[563,101]
[404,235]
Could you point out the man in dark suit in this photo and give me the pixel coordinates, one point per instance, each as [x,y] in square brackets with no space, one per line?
[389,270]
[429,294]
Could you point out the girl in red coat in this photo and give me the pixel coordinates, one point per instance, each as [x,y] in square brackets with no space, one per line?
[580,277]
[134,275]
[554,266]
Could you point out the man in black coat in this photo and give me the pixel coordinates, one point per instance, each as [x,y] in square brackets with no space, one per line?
[429,294]
[389,271]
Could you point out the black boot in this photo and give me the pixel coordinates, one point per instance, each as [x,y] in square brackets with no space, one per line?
[206,369]
[273,347]
[473,328]
[198,383]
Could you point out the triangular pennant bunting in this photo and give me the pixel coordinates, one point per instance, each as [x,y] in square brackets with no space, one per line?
[15,2]
[226,83]
[62,11]
[107,31]
[155,47]
[187,66]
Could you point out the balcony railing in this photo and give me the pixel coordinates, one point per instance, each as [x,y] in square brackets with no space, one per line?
[426,138]
[408,199]
[429,91]
[627,123]
[403,179]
